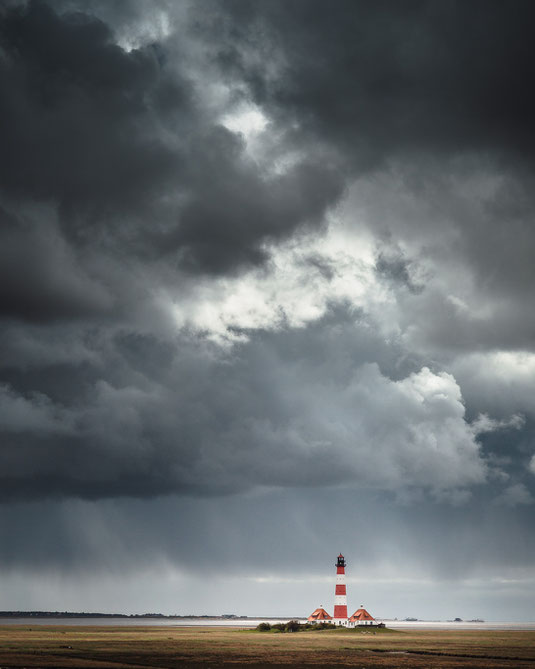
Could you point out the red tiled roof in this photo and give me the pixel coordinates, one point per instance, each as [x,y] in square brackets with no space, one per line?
[319,614]
[361,614]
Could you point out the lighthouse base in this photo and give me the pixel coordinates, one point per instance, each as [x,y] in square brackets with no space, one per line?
[340,621]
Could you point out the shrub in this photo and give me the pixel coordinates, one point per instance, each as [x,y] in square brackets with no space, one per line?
[279,627]
[292,626]
[263,627]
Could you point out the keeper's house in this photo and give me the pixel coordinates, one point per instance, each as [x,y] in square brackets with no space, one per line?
[360,617]
[319,616]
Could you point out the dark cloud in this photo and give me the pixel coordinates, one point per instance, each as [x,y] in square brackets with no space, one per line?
[426,98]
[392,265]
[225,217]
[292,408]
[80,118]
[117,140]
[381,78]
[128,179]
[40,279]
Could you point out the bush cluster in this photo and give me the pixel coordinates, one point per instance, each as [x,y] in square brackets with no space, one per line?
[293,626]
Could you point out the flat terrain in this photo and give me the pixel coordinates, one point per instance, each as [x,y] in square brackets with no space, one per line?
[195,647]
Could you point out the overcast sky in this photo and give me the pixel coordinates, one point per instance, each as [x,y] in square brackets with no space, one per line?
[266,290]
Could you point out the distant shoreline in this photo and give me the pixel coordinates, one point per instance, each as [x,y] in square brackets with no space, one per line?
[135,616]
[74,614]
[65,618]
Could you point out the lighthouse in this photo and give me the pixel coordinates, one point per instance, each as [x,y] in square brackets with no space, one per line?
[360,617]
[340,595]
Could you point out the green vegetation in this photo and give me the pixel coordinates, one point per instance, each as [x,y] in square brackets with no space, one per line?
[295,626]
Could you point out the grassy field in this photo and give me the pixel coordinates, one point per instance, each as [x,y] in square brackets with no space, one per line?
[120,647]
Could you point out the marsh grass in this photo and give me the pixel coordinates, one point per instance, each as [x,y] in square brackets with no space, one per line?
[122,648]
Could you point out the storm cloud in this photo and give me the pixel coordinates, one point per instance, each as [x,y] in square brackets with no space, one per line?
[188,425]
[264,260]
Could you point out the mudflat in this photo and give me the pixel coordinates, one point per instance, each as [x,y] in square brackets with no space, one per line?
[195,647]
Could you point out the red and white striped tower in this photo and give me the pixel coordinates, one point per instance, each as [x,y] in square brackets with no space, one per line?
[340,596]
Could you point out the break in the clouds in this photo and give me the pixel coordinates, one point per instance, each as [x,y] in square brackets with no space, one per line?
[255,252]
